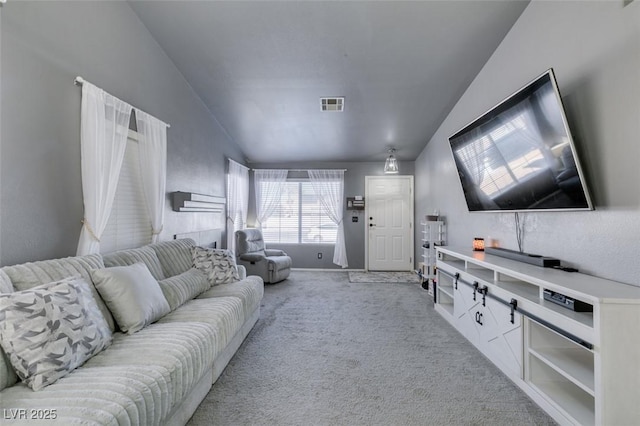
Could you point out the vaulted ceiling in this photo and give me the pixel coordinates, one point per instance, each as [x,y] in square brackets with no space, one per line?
[261,68]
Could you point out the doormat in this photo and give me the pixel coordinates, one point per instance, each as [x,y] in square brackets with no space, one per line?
[383,277]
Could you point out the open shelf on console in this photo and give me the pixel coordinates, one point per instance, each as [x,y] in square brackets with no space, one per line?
[563,393]
[571,360]
[444,293]
[455,263]
[445,300]
[482,273]
[520,288]
[584,318]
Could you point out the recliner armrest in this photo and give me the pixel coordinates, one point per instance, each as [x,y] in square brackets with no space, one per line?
[274,252]
[252,257]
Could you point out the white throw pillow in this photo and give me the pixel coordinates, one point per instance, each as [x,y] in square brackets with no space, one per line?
[49,330]
[218,264]
[132,295]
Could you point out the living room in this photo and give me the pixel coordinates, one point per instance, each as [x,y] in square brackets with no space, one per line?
[593,47]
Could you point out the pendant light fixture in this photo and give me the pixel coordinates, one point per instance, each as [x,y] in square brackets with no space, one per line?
[391,165]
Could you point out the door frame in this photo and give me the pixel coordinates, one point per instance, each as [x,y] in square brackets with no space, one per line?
[411,223]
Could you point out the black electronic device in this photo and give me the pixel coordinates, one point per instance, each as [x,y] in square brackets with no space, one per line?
[520,156]
[533,259]
[567,302]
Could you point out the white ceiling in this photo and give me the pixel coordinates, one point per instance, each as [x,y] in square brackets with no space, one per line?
[261,68]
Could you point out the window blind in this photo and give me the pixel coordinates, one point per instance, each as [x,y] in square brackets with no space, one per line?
[129,225]
[298,218]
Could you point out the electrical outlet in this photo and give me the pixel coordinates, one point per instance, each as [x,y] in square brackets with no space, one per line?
[319,255]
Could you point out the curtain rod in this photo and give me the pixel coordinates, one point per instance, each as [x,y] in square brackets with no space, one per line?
[305,170]
[241,165]
[79,81]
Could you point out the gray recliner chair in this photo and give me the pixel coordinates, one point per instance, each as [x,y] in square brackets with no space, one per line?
[272,265]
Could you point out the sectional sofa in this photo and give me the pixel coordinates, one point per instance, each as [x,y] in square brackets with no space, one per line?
[155,374]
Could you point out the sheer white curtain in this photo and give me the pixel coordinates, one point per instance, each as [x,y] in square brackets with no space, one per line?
[103,140]
[329,187]
[268,187]
[237,201]
[153,167]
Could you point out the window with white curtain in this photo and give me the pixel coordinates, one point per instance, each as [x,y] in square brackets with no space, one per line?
[129,224]
[299,217]
[237,201]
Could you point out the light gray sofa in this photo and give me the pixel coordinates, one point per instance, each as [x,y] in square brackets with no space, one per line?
[156,376]
[271,264]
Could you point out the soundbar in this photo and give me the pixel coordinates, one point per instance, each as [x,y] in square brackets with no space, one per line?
[533,259]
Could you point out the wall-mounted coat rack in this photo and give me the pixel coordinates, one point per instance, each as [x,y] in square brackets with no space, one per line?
[192,202]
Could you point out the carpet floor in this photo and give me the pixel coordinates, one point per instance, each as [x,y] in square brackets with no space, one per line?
[326,351]
[383,277]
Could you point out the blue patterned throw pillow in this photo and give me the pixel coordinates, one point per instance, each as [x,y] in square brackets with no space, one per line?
[219,265]
[49,330]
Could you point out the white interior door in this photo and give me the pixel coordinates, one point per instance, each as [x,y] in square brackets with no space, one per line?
[389,222]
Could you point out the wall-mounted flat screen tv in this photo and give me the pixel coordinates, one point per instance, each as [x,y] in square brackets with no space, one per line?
[520,155]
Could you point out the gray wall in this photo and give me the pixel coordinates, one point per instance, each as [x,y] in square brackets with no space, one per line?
[306,255]
[0,133]
[45,45]
[594,48]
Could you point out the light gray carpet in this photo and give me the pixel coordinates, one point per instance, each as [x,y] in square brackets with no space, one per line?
[329,352]
[383,277]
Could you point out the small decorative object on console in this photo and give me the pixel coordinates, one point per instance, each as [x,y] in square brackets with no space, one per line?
[478,244]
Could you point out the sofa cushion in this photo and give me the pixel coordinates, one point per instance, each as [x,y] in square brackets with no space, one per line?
[138,380]
[218,265]
[32,274]
[144,254]
[5,283]
[132,294]
[174,255]
[183,287]
[223,314]
[250,291]
[7,374]
[49,330]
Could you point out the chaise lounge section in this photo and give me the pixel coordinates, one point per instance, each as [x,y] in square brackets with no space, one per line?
[155,376]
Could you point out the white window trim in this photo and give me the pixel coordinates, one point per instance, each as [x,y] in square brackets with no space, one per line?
[301,230]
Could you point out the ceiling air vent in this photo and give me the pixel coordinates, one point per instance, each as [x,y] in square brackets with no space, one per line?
[332,104]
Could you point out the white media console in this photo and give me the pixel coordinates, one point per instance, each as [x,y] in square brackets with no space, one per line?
[581,367]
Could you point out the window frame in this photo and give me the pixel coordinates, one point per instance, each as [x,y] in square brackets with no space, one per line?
[300,229]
